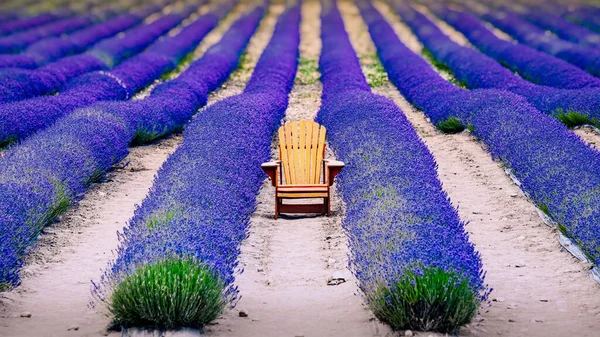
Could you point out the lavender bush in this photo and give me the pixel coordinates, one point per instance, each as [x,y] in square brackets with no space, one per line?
[16,25]
[19,84]
[587,59]
[558,170]
[200,204]
[585,17]
[572,107]
[15,43]
[409,249]
[563,28]
[20,119]
[53,48]
[51,170]
[529,63]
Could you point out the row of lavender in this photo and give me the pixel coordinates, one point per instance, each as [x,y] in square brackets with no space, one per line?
[18,84]
[22,118]
[46,173]
[573,102]
[52,48]
[409,249]
[25,15]
[183,242]
[558,170]
[584,56]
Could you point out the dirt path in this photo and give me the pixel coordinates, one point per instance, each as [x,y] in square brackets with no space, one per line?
[287,262]
[539,289]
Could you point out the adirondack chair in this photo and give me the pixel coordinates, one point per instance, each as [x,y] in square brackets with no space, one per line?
[303,171]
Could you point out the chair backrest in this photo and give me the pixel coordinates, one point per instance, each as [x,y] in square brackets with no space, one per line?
[301,151]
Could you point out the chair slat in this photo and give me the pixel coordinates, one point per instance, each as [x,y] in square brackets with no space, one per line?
[307,150]
[302,153]
[301,150]
[283,154]
[314,173]
[289,146]
[320,152]
[296,162]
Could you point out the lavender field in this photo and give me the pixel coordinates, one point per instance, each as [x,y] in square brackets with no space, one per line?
[133,203]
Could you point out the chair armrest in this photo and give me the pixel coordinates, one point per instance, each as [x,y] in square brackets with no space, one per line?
[333,168]
[271,169]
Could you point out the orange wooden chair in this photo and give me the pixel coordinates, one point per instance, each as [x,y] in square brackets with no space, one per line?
[302,169]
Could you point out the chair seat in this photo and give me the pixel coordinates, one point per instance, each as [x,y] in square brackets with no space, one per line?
[303,191]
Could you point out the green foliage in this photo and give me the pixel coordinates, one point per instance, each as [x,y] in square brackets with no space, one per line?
[573,118]
[162,219]
[10,141]
[169,294]
[563,229]
[308,71]
[450,125]
[435,301]
[374,71]
[442,68]
[144,136]
[545,209]
[244,63]
[471,128]
[60,205]
[184,62]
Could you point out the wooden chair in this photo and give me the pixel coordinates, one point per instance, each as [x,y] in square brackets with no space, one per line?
[302,169]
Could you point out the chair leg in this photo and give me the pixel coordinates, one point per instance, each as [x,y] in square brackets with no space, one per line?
[328,205]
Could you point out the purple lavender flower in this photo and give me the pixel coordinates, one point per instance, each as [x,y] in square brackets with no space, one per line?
[15,43]
[587,59]
[531,64]
[563,28]
[16,25]
[476,70]
[109,52]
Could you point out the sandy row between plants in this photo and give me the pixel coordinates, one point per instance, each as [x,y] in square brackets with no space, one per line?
[287,262]
[539,289]
[56,278]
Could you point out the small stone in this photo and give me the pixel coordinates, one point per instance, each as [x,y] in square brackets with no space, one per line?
[514,195]
[260,269]
[408,333]
[243,313]
[521,238]
[26,314]
[537,320]
[510,320]
[520,265]
[73,328]
[331,260]
[269,281]
[498,299]
[336,278]
[544,300]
